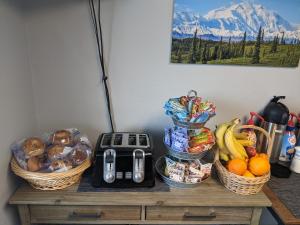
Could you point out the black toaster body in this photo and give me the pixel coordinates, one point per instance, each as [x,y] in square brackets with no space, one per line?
[123,160]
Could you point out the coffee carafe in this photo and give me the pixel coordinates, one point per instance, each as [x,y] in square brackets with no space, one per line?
[276,116]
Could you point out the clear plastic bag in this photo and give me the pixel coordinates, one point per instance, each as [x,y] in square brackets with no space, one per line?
[56,157]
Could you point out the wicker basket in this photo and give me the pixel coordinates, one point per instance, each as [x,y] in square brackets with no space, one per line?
[239,184]
[50,181]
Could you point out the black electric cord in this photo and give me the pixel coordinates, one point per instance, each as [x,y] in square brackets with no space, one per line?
[99,39]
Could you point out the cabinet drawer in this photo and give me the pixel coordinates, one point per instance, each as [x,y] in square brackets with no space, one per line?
[225,214]
[83,213]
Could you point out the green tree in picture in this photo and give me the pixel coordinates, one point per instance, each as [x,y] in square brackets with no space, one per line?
[215,53]
[220,49]
[204,54]
[282,42]
[256,58]
[250,52]
[243,44]
[193,49]
[179,55]
[198,55]
[227,51]
[264,52]
[274,44]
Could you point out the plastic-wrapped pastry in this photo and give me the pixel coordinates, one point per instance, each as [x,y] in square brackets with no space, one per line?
[34,164]
[41,155]
[60,165]
[62,137]
[58,152]
[33,147]
[77,156]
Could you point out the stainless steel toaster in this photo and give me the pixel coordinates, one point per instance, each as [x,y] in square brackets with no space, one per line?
[123,160]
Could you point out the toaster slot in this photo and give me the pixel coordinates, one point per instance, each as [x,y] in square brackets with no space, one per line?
[132,139]
[106,141]
[143,140]
[118,139]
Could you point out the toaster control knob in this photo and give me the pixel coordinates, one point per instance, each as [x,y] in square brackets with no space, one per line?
[109,165]
[138,175]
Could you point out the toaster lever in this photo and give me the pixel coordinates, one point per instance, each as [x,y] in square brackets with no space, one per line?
[138,166]
[109,159]
[109,165]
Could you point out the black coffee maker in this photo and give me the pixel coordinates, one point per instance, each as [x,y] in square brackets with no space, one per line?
[276,116]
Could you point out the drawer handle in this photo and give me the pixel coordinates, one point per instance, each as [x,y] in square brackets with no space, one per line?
[190,216]
[78,215]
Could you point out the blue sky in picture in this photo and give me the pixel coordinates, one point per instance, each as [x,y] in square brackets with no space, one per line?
[288,9]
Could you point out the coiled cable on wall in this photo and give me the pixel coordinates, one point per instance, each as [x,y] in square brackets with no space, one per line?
[99,39]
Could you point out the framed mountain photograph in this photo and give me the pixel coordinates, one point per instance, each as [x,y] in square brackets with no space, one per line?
[253,33]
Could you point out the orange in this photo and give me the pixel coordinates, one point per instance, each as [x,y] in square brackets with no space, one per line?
[248,174]
[237,166]
[259,165]
[263,155]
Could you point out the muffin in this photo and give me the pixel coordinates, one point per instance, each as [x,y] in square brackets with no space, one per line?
[58,152]
[55,152]
[60,165]
[62,137]
[33,164]
[33,147]
[78,156]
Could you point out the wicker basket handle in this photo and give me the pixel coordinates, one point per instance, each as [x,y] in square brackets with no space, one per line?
[269,148]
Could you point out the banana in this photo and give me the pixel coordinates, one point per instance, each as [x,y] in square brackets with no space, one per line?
[240,148]
[224,156]
[245,143]
[236,150]
[220,131]
[242,135]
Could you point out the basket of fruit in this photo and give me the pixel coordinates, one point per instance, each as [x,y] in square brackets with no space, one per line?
[241,168]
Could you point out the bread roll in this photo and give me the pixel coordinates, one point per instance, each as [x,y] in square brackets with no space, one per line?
[78,156]
[62,137]
[33,147]
[55,152]
[33,164]
[60,165]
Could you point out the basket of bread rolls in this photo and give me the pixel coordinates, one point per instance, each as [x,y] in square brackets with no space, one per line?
[53,161]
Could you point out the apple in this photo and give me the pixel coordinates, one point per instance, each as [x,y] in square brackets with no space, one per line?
[251,151]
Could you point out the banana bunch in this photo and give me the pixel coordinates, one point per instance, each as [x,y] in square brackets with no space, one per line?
[232,144]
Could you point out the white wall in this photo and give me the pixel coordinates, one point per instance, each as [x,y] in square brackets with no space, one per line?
[66,73]
[142,77]
[16,101]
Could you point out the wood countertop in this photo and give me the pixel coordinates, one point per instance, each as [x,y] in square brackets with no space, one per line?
[209,193]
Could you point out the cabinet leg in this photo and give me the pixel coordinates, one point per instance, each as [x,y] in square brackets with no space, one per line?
[256,216]
[24,214]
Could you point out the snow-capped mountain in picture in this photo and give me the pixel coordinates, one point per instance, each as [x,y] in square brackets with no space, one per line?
[236,32]
[232,21]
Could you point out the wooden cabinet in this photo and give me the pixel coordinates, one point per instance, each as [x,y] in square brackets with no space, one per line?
[213,214]
[83,214]
[210,203]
